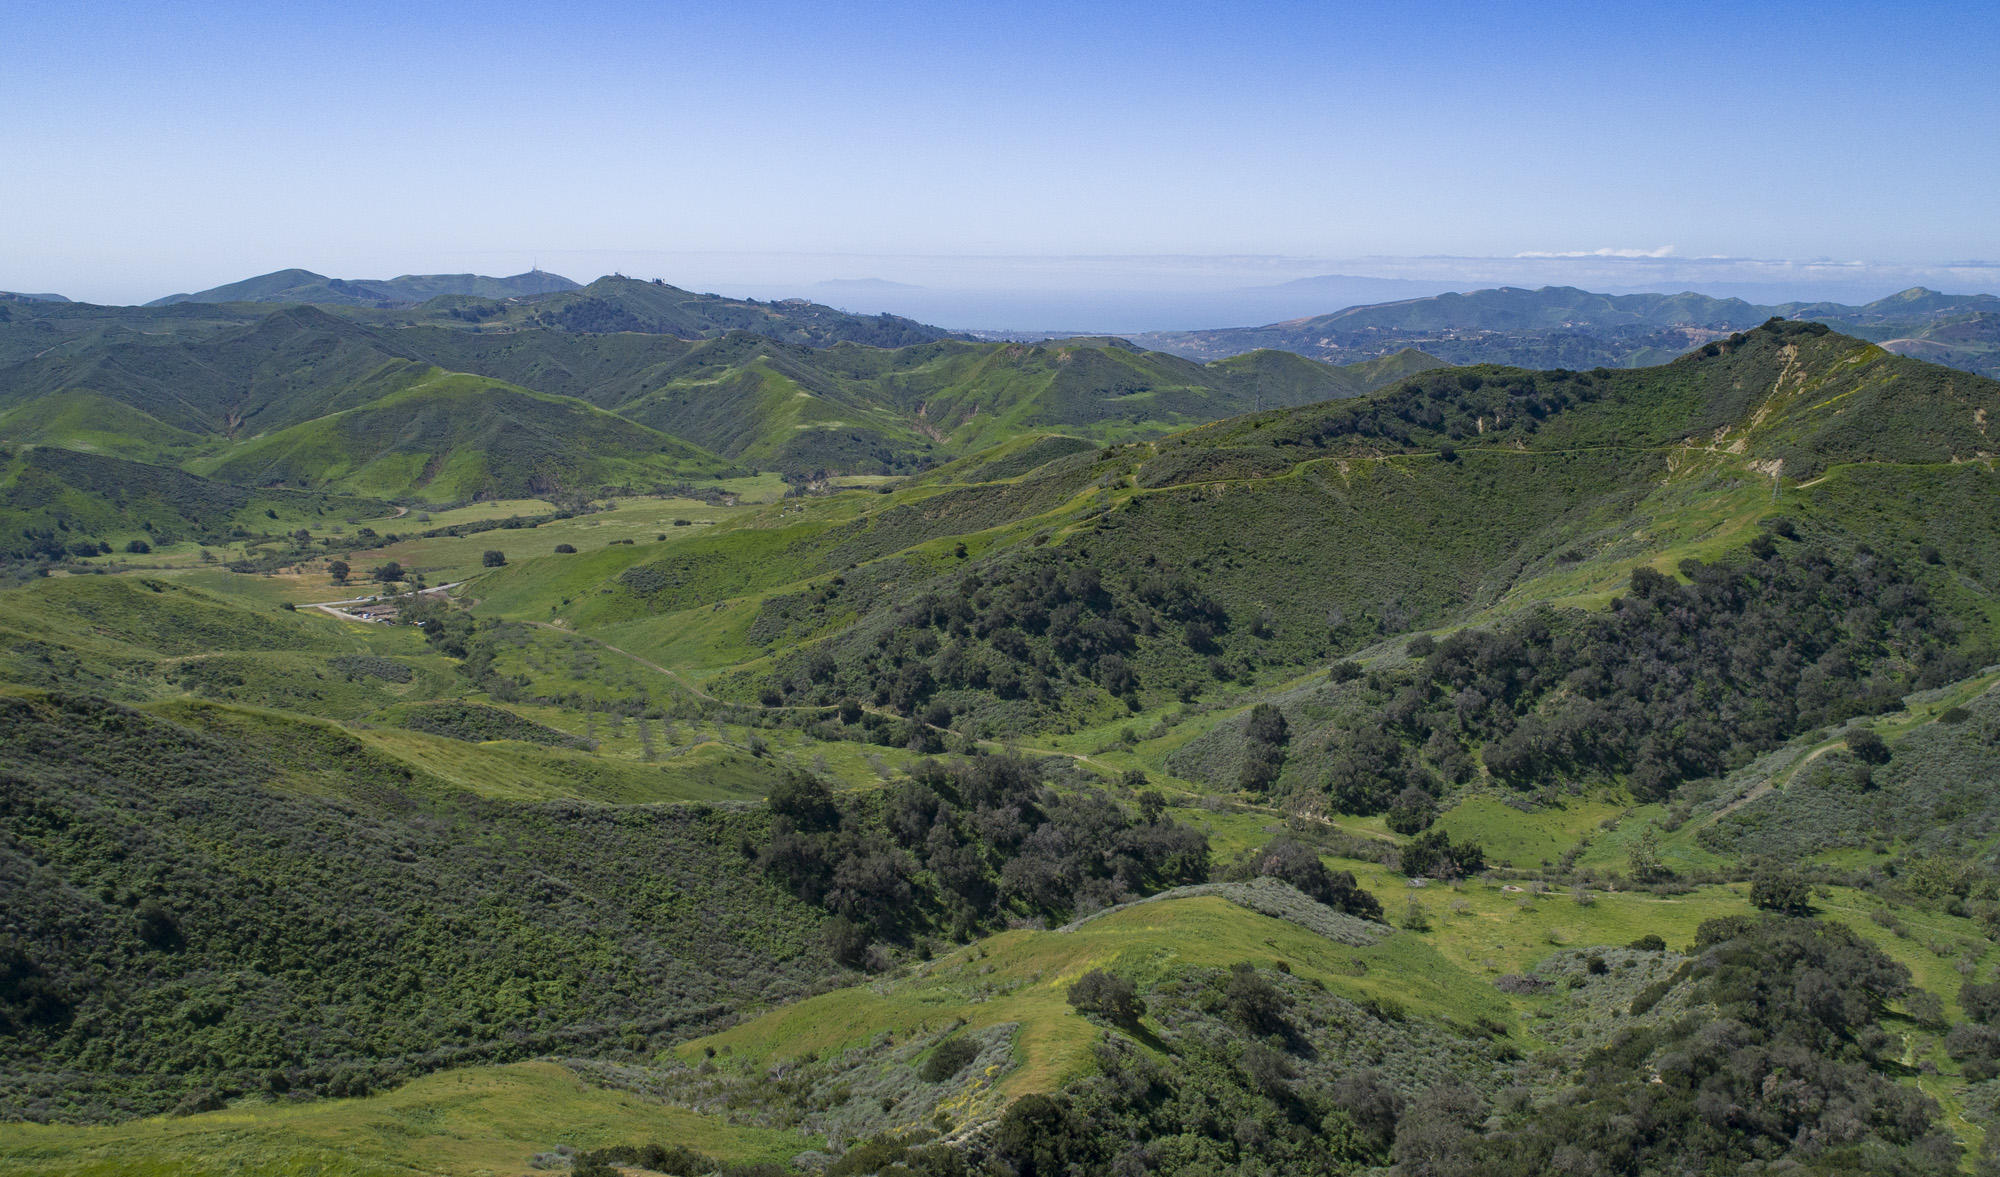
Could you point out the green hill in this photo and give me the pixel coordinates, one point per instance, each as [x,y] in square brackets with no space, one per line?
[286,367]
[53,499]
[93,423]
[853,407]
[1290,537]
[451,437]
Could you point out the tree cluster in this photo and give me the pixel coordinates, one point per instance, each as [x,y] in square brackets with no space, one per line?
[963,843]
[1790,1068]
[1025,629]
[1674,682]
[1290,861]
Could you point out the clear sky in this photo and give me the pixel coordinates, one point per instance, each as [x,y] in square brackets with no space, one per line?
[153,147]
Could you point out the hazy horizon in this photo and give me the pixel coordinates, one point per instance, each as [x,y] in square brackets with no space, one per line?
[1133,294]
[162,149]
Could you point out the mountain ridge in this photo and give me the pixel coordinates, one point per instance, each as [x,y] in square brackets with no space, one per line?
[1566,326]
[300,285]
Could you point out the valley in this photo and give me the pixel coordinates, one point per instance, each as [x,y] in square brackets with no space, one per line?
[845,756]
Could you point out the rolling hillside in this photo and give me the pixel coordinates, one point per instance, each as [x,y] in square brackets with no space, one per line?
[451,437]
[750,398]
[284,368]
[1291,537]
[53,499]
[1417,771]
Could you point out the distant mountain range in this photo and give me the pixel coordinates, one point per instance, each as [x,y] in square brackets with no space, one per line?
[1562,326]
[1550,327]
[610,305]
[306,286]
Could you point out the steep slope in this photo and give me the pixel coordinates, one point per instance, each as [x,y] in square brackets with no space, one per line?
[211,858]
[286,367]
[1290,537]
[53,499]
[450,436]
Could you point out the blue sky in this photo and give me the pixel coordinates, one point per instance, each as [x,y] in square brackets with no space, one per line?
[156,147]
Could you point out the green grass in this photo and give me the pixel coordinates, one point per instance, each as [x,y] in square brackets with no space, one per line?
[511,771]
[444,437]
[1539,837]
[465,1123]
[1023,977]
[444,558]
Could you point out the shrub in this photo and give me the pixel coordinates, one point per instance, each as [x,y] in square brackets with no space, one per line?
[846,941]
[1867,745]
[1434,855]
[197,1102]
[1413,811]
[138,547]
[1781,891]
[948,1058]
[1107,995]
[565,549]
[1253,1001]
[493,558]
[1289,861]
[1981,1002]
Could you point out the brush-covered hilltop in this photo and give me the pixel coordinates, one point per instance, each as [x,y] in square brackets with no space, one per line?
[966,758]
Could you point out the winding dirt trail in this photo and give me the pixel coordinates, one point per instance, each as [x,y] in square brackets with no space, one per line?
[1773,782]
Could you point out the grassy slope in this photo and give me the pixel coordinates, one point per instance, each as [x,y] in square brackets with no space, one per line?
[449,436]
[1340,541]
[1023,977]
[467,1122]
[93,423]
[85,495]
